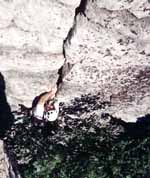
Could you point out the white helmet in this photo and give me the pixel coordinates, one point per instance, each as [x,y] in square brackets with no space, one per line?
[51,110]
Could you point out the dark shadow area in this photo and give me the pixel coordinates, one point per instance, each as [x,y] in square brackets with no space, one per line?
[82,7]
[147,174]
[136,130]
[6,117]
[81,144]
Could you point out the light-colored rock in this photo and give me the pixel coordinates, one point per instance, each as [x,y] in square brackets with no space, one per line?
[28,74]
[108,42]
[107,45]
[137,7]
[36,24]
[8,168]
[31,40]
[110,50]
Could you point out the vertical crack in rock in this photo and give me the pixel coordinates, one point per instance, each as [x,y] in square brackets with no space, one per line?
[67,66]
[79,10]
[108,48]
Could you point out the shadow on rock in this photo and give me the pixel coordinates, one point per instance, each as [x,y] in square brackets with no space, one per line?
[139,129]
[6,117]
[83,140]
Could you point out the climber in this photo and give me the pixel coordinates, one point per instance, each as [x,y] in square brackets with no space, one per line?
[45,107]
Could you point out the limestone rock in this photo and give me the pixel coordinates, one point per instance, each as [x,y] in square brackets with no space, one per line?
[31,39]
[137,7]
[106,51]
[110,52]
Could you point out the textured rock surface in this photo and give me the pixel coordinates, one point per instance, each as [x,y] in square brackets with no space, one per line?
[31,39]
[6,170]
[3,163]
[137,7]
[110,50]
[108,43]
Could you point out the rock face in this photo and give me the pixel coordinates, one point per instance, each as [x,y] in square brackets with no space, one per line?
[31,39]
[104,45]
[6,169]
[109,45]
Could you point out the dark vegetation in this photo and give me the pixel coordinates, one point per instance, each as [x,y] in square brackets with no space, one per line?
[81,144]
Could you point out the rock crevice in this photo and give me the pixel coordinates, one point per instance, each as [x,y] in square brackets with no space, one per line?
[105,53]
